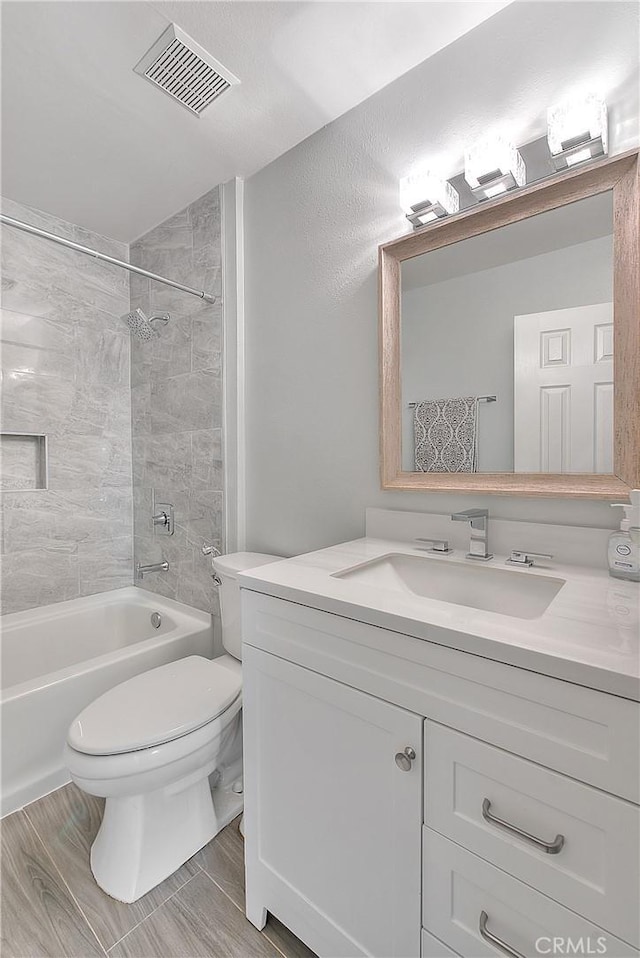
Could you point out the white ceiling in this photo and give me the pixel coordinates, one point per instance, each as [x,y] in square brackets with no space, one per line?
[87,139]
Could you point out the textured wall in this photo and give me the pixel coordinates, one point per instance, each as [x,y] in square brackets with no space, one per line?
[177,402]
[65,367]
[314,219]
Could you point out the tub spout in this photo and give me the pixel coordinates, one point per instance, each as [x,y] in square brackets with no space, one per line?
[143,570]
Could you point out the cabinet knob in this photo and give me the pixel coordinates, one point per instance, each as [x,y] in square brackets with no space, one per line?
[405,759]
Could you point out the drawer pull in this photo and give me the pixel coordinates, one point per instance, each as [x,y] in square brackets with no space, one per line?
[551,848]
[494,940]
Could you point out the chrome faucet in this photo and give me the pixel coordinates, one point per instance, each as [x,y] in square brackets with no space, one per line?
[518,557]
[479,522]
[143,570]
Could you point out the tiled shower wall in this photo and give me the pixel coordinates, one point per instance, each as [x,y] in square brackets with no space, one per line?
[65,369]
[66,372]
[176,399]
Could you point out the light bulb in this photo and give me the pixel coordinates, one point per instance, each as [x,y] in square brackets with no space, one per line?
[577,130]
[493,166]
[424,197]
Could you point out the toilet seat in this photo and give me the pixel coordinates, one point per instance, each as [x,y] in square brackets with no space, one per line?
[96,771]
[152,710]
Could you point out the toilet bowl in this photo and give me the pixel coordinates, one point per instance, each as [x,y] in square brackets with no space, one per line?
[150,745]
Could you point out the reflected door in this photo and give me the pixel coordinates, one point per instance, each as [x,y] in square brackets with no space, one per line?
[564,390]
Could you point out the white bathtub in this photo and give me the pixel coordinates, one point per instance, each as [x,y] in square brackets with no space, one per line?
[57,659]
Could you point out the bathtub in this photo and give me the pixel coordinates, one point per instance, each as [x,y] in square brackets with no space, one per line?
[58,658]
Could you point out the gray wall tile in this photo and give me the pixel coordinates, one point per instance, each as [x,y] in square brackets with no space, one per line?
[206,459]
[169,354]
[34,403]
[142,509]
[37,577]
[177,404]
[44,344]
[36,520]
[33,520]
[65,361]
[124,418]
[95,462]
[206,342]
[104,565]
[141,409]
[163,460]
[188,402]
[102,356]
[63,269]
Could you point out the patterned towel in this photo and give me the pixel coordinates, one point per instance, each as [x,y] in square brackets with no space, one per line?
[446,435]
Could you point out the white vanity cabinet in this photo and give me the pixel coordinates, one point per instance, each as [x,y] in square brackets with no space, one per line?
[338,828]
[517,821]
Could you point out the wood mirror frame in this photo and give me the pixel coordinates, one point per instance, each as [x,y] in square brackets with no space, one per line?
[620,174]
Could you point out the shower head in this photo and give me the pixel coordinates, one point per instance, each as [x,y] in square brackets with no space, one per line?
[142,327]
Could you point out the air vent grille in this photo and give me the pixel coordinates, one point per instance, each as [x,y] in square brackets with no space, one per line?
[180,67]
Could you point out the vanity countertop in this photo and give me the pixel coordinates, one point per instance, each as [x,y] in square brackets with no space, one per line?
[589,634]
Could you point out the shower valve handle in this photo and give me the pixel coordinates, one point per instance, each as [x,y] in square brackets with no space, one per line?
[163,519]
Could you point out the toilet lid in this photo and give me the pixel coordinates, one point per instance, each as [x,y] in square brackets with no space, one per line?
[155,707]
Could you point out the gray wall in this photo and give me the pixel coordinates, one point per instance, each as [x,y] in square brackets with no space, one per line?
[457,336]
[177,402]
[314,219]
[65,365]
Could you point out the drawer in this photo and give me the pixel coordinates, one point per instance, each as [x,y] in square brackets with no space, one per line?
[595,872]
[460,890]
[432,948]
[591,736]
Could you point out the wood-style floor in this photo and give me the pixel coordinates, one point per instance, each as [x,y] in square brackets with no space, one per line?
[52,907]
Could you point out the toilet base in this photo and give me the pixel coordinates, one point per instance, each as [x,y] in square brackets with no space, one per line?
[145,838]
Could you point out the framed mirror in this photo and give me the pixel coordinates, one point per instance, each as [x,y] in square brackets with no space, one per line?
[510,343]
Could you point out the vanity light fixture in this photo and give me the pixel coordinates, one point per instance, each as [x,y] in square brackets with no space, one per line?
[493,166]
[577,130]
[425,198]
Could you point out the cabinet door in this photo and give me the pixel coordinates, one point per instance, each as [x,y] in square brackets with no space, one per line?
[332,824]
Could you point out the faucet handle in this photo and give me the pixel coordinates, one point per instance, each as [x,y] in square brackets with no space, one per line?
[526,558]
[437,545]
[163,518]
[470,514]
[210,550]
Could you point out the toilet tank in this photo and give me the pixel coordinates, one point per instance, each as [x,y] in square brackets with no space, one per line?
[227,569]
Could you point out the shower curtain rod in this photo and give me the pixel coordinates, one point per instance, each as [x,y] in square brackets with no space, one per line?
[18,224]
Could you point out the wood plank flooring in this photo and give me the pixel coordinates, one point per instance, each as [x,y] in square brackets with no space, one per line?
[39,916]
[52,908]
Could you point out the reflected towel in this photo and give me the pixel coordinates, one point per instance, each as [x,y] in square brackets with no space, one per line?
[446,435]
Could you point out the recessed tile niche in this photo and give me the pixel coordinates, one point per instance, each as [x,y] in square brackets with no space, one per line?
[23,461]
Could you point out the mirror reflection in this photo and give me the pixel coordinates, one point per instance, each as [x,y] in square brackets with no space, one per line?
[507,348]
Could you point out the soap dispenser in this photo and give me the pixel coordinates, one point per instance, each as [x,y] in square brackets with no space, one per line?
[624,546]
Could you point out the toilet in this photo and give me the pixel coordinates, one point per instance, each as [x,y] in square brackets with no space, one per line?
[165,750]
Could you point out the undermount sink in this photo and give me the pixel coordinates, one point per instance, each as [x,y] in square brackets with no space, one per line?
[524,595]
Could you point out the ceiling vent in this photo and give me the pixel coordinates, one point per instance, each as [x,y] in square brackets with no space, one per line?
[180,67]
